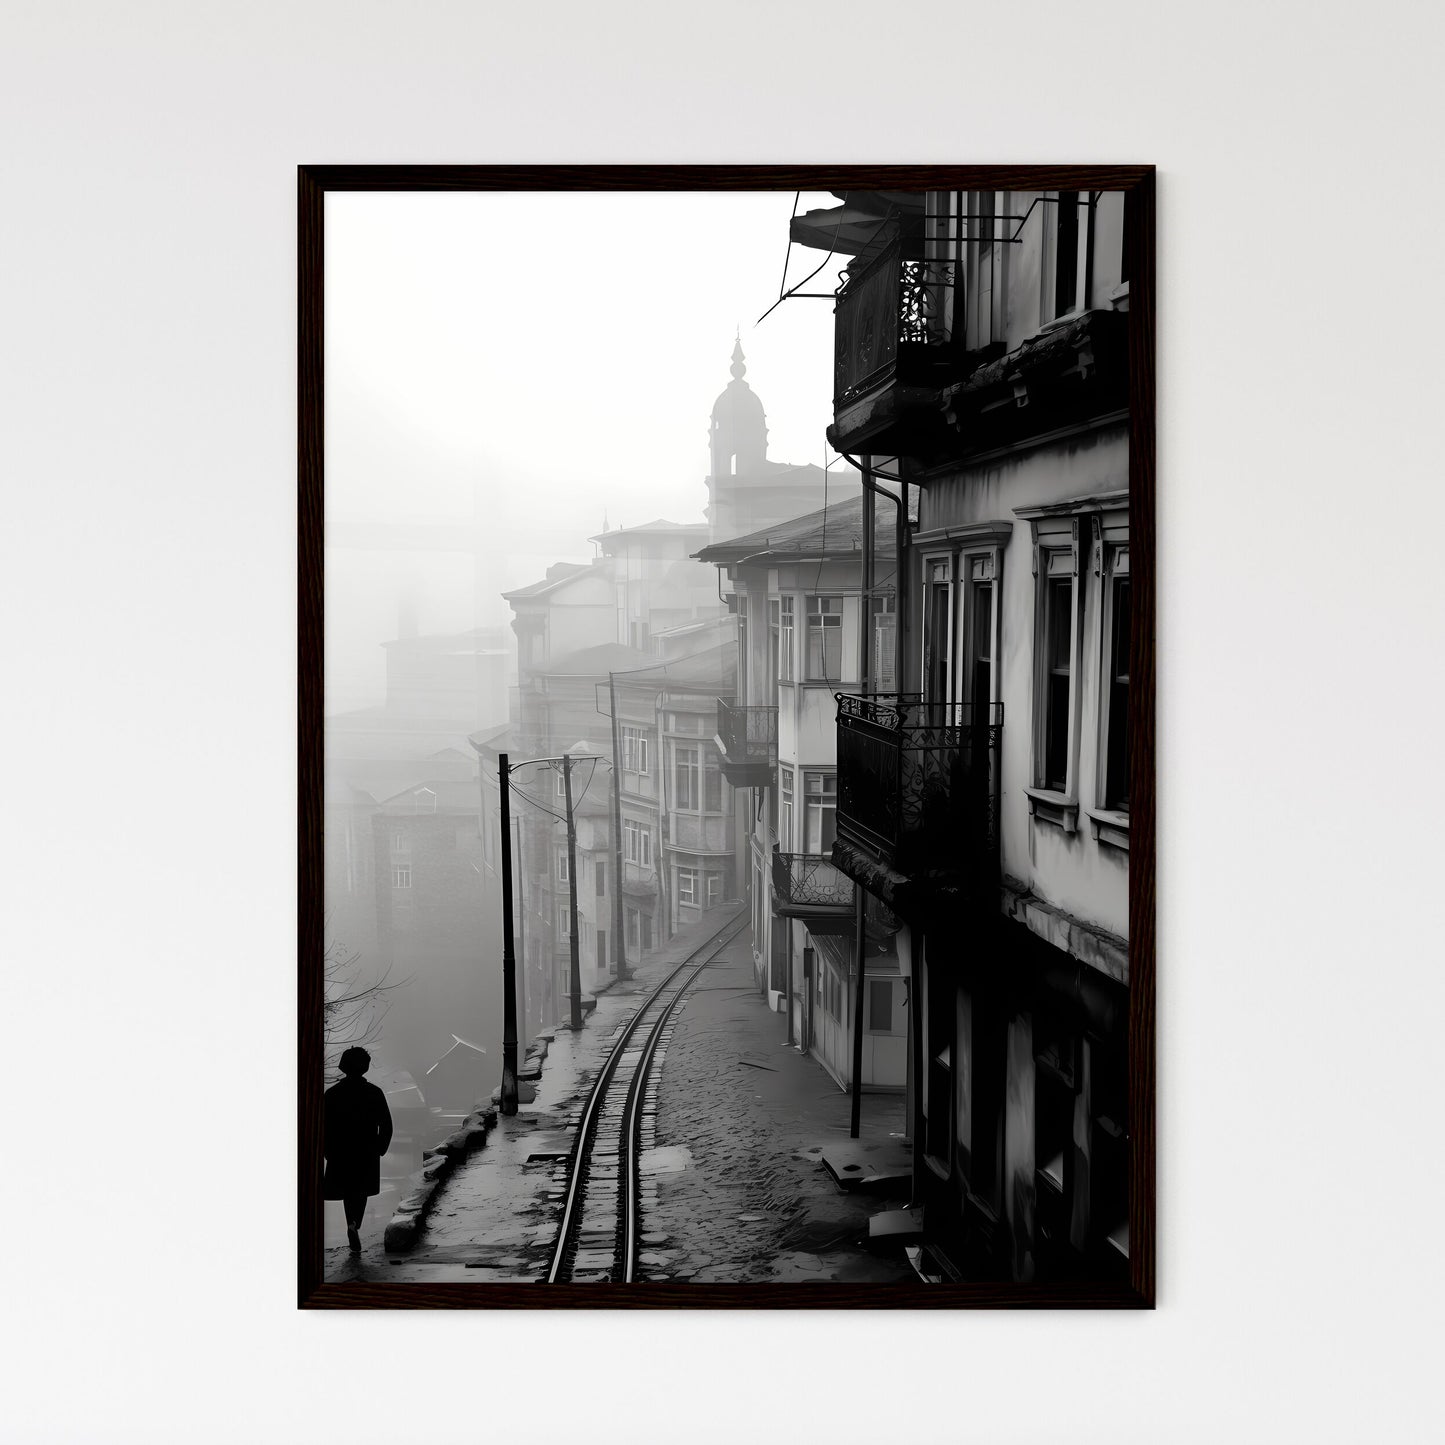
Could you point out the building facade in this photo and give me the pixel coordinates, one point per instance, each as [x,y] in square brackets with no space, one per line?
[802,617]
[981,380]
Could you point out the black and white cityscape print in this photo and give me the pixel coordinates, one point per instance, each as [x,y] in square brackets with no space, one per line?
[727,745]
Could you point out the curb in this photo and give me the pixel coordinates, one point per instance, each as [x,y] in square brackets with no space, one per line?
[406,1224]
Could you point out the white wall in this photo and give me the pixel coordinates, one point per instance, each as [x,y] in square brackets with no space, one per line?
[150,310]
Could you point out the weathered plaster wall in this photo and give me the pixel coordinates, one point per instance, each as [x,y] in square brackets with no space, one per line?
[1073,871]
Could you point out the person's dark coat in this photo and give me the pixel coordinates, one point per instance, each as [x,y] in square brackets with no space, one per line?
[358,1131]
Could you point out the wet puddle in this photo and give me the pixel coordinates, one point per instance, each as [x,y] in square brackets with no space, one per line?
[666,1159]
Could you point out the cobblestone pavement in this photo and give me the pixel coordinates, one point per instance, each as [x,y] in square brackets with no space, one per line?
[742,1120]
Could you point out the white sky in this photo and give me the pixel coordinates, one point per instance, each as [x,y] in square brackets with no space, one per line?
[542,358]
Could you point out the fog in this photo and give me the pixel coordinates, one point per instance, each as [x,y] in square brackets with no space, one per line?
[513,369]
[505,375]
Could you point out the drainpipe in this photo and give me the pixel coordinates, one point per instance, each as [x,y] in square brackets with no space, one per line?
[859,909]
[902,673]
[619,938]
[917,937]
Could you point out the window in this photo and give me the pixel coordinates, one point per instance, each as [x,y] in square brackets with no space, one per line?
[960,616]
[401,875]
[686,722]
[939,1048]
[685,779]
[637,843]
[883,675]
[1058,680]
[825,639]
[1117,763]
[399,842]
[561,783]
[775,648]
[601,877]
[820,798]
[1116,683]
[785,821]
[714,889]
[564,921]
[989,1068]
[634,750]
[687,886]
[880,1005]
[712,792]
[785,639]
[1066,253]
[562,865]
[937,628]
[1057,609]
[980,646]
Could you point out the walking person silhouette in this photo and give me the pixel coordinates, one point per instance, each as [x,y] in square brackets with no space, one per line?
[358,1131]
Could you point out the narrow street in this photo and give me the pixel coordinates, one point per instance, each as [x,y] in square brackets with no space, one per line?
[742,1122]
[734,1185]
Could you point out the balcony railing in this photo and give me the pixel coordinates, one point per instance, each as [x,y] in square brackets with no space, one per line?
[892,311]
[810,880]
[748,737]
[918,783]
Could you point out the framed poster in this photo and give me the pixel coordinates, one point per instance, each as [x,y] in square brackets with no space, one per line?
[726,737]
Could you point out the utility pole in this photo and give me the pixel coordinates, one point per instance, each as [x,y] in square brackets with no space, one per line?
[619,950]
[575,979]
[509,960]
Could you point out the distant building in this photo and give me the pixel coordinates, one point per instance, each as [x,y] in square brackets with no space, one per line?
[449,676]
[745,490]
[439,690]
[435,936]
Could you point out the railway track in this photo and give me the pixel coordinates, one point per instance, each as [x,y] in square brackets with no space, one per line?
[601,1225]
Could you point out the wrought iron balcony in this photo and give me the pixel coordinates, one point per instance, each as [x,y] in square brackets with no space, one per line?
[918,797]
[747,738]
[809,886]
[894,352]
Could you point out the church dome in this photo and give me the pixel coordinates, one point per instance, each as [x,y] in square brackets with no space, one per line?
[738,404]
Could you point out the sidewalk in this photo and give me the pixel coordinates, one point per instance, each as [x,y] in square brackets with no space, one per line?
[734,1188]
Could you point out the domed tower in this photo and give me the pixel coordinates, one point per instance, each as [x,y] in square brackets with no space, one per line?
[745,491]
[739,427]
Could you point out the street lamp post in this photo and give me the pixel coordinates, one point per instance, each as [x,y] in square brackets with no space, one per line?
[575,979]
[619,938]
[509,961]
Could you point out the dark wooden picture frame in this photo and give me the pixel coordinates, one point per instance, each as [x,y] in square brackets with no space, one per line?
[314,182]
